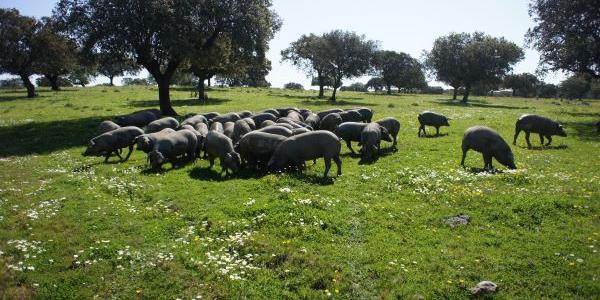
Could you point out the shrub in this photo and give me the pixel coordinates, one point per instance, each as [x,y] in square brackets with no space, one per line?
[293,86]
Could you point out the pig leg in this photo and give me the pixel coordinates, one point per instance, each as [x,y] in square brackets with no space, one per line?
[527,139]
[118,154]
[464,155]
[327,166]
[549,140]
[517,132]
[395,139]
[541,139]
[129,153]
[437,130]
[211,160]
[487,161]
[349,144]
[338,163]
[107,157]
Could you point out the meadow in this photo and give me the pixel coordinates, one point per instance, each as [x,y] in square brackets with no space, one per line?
[74,227]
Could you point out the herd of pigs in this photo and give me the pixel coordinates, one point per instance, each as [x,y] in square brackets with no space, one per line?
[283,138]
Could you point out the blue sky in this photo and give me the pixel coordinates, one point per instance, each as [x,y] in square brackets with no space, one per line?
[400,25]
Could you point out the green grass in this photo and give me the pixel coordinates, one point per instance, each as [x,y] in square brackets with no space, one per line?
[116,231]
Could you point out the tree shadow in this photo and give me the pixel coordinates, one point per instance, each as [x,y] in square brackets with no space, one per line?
[583,130]
[6,98]
[542,148]
[323,102]
[314,178]
[46,137]
[475,170]
[434,136]
[177,102]
[583,114]
[476,103]
[214,174]
[310,97]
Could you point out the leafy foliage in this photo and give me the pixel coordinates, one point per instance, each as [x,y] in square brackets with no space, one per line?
[399,70]
[567,34]
[523,85]
[575,87]
[293,86]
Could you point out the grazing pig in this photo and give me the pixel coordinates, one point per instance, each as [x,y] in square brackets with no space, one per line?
[304,112]
[393,127]
[295,150]
[228,129]
[428,118]
[370,140]
[199,137]
[250,123]
[160,124]
[312,120]
[540,125]
[146,142]
[286,110]
[598,127]
[267,123]
[219,145]
[257,147]
[366,113]
[351,132]
[260,118]
[138,118]
[489,143]
[294,124]
[218,127]
[278,130]
[295,116]
[230,117]
[170,146]
[201,128]
[324,113]
[245,114]
[351,116]
[286,125]
[240,128]
[210,115]
[107,126]
[271,111]
[194,120]
[297,131]
[330,122]
[112,142]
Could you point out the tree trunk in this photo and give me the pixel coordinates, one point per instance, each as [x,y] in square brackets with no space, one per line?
[321,85]
[208,81]
[53,81]
[111,78]
[455,93]
[389,89]
[201,90]
[335,85]
[466,95]
[30,87]
[164,99]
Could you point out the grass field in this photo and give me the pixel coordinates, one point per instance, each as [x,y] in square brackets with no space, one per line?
[73,227]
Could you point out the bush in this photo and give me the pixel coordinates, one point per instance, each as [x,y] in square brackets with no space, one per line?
[355,87]
[44,82]
[135,81]
[433,90]
[293,86]
[11,83]
[547,90]
[574,87]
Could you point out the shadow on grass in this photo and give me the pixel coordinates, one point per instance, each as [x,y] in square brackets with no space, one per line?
[475,103]
[323,102]
[583,114]
[542,148]
[46,137]
[214,174]
[475,170]
[434,136]
[582,130]
[5,98]
[177,102]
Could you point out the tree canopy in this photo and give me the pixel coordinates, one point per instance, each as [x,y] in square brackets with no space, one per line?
[398,69]
[114,65]
[567,35]
[308,54]
[162,35]
[523,85]
[462,59]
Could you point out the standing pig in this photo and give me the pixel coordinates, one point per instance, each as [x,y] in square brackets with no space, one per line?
[170,146]
[330,122]
[228,129]
[351,132]
[160,124]
[194,120]
[260,118]
[428,118]
[366,113]
[540,125]
[278,130]
[295,150]
[324,113]
[219,145]
[216,126]
[489,143]
[258,147]
[393,127]
[146,142]
[210,115]
[351,116]
[112,142]
[370,139]
[312,120]
[240,127]
[138,118]
[230,117]
[107,126]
